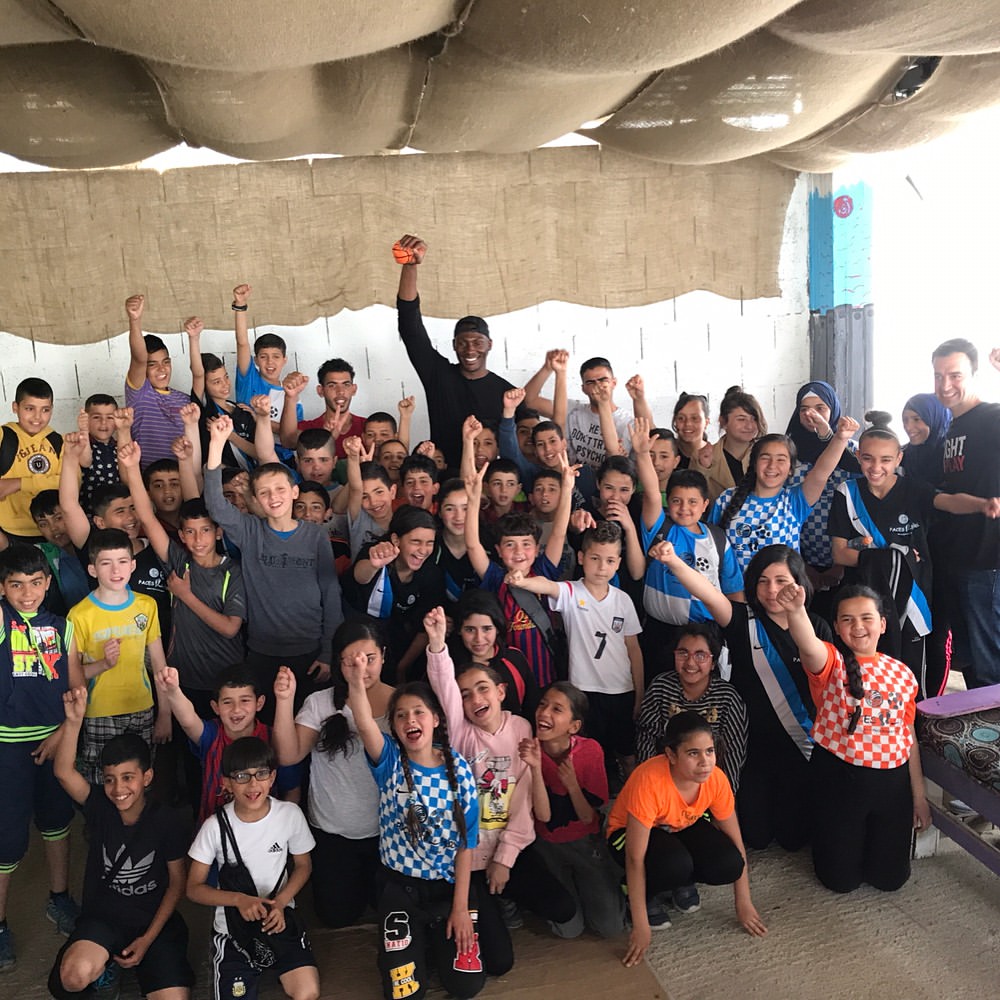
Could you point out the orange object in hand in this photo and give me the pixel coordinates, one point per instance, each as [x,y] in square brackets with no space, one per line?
[403,255]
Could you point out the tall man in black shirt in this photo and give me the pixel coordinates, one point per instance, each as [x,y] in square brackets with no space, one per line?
[453,391]
[972,541]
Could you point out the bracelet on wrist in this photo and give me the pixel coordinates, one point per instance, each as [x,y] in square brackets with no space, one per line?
[240,309]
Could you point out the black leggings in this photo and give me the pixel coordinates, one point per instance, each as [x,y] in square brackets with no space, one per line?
[862,823]
[773,802]
[698,853]
[343,877]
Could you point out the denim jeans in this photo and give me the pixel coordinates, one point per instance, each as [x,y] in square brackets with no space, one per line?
[976,625]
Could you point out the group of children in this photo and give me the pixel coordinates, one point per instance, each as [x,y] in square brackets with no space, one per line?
[457,656]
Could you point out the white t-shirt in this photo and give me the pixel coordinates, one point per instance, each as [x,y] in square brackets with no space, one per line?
[343,796]
[264,846]
[584,442]
[598,657]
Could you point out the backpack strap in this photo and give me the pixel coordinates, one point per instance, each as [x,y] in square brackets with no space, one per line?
[719,537]
[531,605]
[518,679]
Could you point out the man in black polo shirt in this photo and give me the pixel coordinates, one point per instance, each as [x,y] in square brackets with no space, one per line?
[972,541]
[453,391]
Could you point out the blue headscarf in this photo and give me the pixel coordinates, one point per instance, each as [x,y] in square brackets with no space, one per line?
[926,461]
[807,443]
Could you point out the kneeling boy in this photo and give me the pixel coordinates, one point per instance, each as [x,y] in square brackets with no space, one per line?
[134,877]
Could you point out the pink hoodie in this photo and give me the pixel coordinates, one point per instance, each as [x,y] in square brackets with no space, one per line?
[503,780]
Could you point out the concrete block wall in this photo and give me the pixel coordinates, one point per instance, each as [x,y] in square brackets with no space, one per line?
[697,342]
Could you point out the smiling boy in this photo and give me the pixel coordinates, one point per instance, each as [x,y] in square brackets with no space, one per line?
[134,877]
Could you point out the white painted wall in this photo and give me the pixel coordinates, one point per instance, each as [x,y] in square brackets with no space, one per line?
[699,342]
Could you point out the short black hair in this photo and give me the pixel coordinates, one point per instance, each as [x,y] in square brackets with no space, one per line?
[22,558]
[193,510]
[503,465]
[418,463]
[36,388]
[372,470]
[617,463]
[516,524]
[160,465]
[308,486]
[104,496]
[334,365]
[449,486]
[124,747]
[236,675]
[245,754]
[381,417]
[212,363]
[958,345]
[546,425]
[100,399]
[595,363]
[43,504]
[315,437]
[230,472]
[266,340]
[106,540]
[603,533]
[154,344]
[547,474]
[688,479]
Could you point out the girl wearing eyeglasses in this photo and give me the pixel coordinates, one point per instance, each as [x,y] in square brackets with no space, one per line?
[766,671]
[694,685]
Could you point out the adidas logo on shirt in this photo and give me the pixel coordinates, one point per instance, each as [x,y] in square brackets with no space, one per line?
[275,848]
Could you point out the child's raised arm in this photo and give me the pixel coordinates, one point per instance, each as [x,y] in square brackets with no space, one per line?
[293,385]
[354,449]
[560,395]
[241,293]
[263,434]
[129,457]
[189,455]
[533,388]
[478,558]
[441,671]
[193,327]
[86,452]
[652,505]
[168,685]
[815,482]
[405,406]
[353,670]
[74,784]
[636,388]
[719,606]
[471,427]
[560,519]
[74,519]
[812,650]
[134,306]
[540,585]
[219,430]
[291,742]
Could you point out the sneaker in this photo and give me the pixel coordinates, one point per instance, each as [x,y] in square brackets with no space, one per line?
[8,959]
[62,911]
[658,913]
[512,918]
[686,899]
[107,986]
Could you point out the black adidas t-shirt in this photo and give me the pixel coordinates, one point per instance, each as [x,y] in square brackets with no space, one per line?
[130,898]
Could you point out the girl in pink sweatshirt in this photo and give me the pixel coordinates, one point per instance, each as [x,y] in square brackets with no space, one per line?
[506,871]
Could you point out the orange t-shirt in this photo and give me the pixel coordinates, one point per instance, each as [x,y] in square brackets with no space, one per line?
[651,796]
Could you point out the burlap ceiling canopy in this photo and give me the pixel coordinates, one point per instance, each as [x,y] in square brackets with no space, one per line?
[700,83]
[89,83]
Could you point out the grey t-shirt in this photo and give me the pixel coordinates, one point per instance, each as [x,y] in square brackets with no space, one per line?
[196,649]
[343,796]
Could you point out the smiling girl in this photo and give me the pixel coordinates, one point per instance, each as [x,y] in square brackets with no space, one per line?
[660,833]
[741,420]
[867,782]
[505,869]
[428,829]
[396,580]
[763,509]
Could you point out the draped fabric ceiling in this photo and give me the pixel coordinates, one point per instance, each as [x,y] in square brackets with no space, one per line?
[89,83]
[675,91]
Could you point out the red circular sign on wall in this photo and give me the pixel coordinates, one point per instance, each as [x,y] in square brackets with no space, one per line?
[843,206]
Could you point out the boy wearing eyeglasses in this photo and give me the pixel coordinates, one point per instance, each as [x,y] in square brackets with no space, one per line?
[274,841]
[236,703]
[605,661]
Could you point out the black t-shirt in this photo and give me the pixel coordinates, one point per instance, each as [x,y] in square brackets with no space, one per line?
[459,574]
[972,465]
[767,734]
[130,899]
[903,516]
[451,397]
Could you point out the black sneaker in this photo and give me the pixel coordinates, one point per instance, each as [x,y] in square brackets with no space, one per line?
[8,957]
[686,899]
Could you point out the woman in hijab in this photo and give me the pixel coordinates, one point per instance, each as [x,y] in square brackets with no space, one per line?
[817,410]
[926,421]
